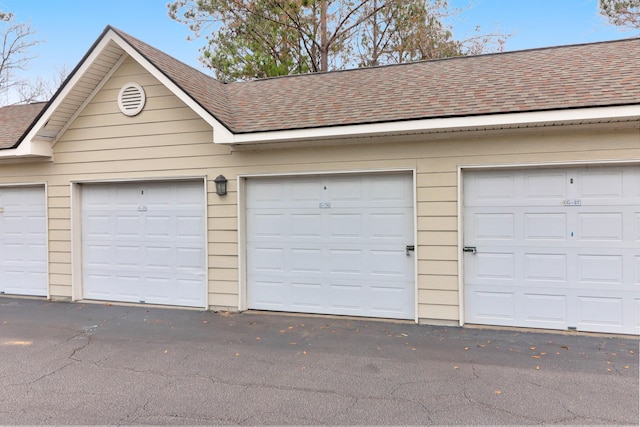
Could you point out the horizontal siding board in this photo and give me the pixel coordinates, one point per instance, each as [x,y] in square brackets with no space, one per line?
[448,283]
[438,223]
[168,140]
[437,238]
[220,261]
[229,287]
[438,312]
[443,253]
[57,290]
[439,267]
[145,153]
[229,301]
[440,297]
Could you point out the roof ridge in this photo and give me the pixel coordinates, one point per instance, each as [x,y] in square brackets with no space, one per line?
[436,60]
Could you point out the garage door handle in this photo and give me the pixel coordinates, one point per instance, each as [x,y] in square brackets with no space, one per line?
[471,249]
[409,248]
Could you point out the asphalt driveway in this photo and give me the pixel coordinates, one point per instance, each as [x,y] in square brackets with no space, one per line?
[106,364]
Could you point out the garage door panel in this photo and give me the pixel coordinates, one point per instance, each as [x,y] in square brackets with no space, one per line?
[307,296]
[546,267]
[140,245]
[327,243]
[345,261]
[266,226]
[389,227]
[268,294]
[545,185]
[344,226]
[492,226]
[606,269]
[23,241]
[594,311]
[545,226]
[545,310]
[600,226]
[600,184]
[491,304]
[581,248]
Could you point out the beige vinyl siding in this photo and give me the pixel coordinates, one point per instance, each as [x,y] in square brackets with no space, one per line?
[169,141]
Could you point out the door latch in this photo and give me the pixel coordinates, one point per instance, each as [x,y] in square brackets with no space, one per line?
[471,249]
[409,248]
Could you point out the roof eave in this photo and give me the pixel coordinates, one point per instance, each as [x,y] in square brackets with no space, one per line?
[563,117]
[31,150]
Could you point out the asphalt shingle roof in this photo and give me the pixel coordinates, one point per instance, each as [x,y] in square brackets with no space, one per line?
[14,121]
[564,77]
[555,78]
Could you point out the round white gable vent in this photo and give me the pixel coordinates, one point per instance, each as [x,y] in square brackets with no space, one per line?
[131,99]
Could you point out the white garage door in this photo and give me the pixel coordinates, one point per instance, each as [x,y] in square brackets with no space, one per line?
[144,242]
[557,249]
[331,245]
[23,241]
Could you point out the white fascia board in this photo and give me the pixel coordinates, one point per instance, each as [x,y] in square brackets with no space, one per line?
[31,136]
[452,124]
[28,149]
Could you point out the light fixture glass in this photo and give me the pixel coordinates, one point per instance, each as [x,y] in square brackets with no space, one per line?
[221,185]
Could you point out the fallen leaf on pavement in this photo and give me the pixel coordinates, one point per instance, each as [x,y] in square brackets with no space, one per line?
[497,392]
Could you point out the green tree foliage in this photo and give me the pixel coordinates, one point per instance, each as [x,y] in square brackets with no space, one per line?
[622,13]
[249,39]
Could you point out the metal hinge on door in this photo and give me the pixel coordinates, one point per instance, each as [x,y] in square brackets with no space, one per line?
[471,249]
[409,248]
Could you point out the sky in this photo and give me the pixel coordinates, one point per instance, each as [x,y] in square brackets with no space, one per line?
[69,27]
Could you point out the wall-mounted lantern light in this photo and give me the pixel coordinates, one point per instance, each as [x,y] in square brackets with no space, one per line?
[221,185]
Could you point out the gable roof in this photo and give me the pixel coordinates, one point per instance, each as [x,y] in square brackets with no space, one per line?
[504,89]
[556,78]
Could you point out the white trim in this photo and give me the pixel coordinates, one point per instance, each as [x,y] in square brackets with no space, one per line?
[452,124]
[518,166]
[242,238]
[416,287]
[30,147]
[45,188]
[206,241]
[75,204]
[46,222]
[89,98]
[460,246]
[76,227]
[242,253]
